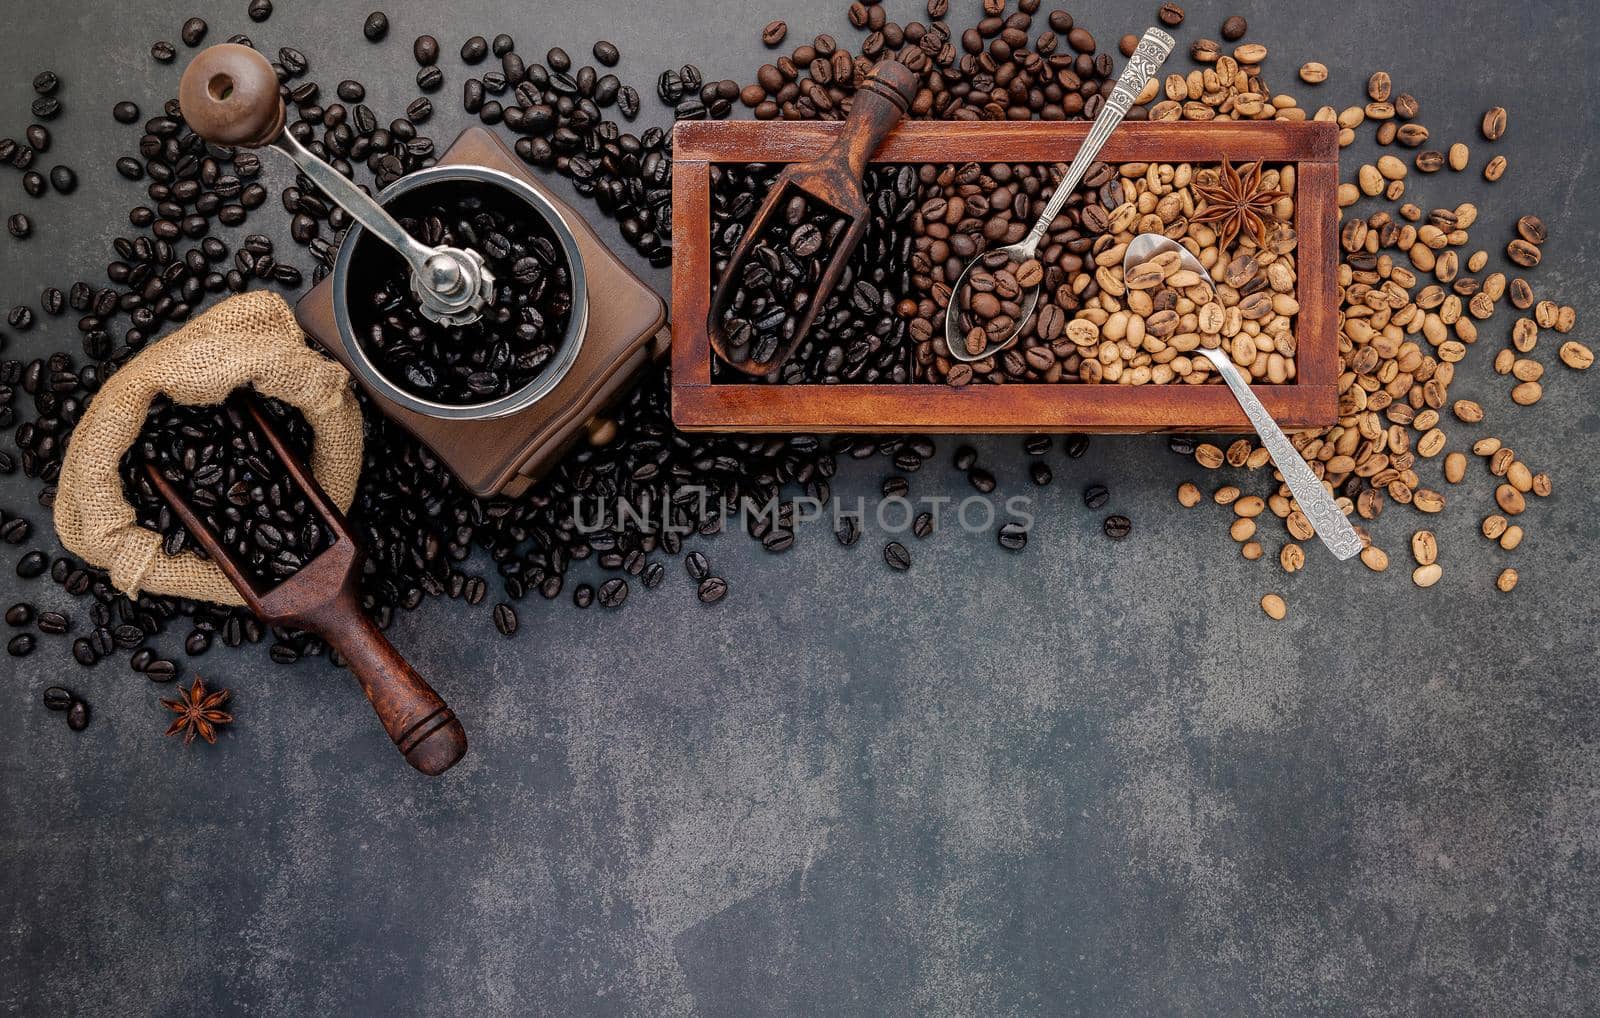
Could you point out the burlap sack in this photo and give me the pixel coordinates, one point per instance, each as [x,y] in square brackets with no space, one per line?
[248,340]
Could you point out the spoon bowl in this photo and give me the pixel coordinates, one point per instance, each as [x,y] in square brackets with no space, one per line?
[1147,58]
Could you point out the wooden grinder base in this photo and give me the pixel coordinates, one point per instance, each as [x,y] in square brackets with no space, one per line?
[626,328]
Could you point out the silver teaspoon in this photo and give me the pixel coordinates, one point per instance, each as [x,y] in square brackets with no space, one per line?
[1315,501]
[1146,60]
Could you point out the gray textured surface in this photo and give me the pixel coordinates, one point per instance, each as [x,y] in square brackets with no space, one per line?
[1127,792]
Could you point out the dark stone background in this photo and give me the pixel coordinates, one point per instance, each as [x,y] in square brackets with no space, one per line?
[1124,791]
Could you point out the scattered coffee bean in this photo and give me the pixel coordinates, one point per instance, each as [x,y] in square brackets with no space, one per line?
[376,26]
[1494,123]
[1234,28]
[772,36]
[607,53]
[1013,536]
[161,670]
[426,50]
[19,614]
[63,179]
[1170,15]
[78,715]
[475,50]
[896,556]
[53,623]
[712,589]
[46,83]
[1096,495]
[259,10]
[1275,607]
[125,112]
[613,592]
[163,52]
[505,619]
[58,698]
[20,645]
[1118,527]
[34,563]
[193,31]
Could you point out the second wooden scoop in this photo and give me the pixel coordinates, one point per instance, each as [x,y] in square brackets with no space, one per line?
[324,598]
[833,179]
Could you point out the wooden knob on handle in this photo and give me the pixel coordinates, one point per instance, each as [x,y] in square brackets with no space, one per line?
[229,96]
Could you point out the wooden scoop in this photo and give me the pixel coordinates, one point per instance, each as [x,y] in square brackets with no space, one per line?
[323,597]
[833,179]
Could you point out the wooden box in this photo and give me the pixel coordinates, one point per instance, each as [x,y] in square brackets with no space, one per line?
[1309,402]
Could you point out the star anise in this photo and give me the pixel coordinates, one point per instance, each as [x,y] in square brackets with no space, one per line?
[1237,202]
[197,712]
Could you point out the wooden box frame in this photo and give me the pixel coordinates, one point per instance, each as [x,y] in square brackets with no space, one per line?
[1309,402]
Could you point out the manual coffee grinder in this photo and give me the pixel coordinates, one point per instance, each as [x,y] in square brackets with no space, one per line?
[229,95]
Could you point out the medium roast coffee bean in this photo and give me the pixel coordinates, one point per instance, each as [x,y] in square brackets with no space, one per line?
[1234,28]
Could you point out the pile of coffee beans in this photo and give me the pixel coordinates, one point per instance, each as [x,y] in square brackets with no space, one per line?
[518,333]
[993,302]
[765,300]
[223,467]
[859,334]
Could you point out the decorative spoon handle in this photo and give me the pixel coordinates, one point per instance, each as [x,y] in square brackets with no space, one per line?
[1319,507]
[1142,66]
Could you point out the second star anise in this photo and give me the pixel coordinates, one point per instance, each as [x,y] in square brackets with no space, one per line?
[1237,202]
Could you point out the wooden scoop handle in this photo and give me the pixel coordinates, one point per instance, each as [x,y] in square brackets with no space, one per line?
[876,108]
[229,96]
[421,724]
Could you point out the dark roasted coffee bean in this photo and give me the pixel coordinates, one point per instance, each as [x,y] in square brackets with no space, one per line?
[583,595]
[46,83]
[505,619]
[1170,15]
[1096,495]
[1234,28]
[696,565]
[922,526]
[712,589]
[896,556]
[34,563]
[1075,445]
[84,653]
[193,31]
[426,50]
[259,10]
[1012,536]
[125,112]
[895,487]
[1118,527]
[34,183]
[20,645]
[78,715]
[45,107]
[376,26]
[163,52]
[38,137]
[196,643]
[607,53]
[53,623]
[58,698]
[161,670]
[430,78]
[502,44]
[19,614]
[63,179]
[475,49]
[1040,472]
[613,592]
